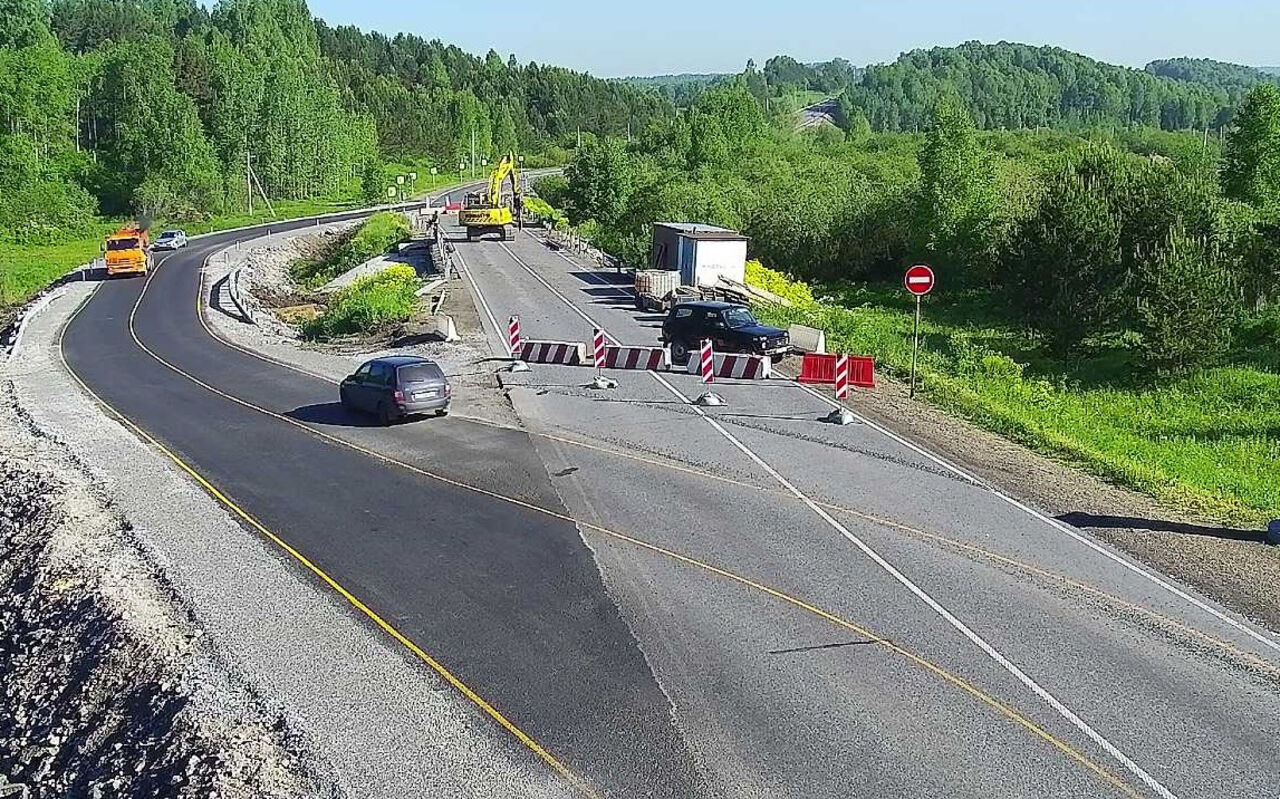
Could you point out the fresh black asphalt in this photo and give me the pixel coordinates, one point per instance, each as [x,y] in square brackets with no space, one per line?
[510,600]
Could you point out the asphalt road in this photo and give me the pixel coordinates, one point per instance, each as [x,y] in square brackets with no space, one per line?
[1135,679]
[751,603]
[509,600]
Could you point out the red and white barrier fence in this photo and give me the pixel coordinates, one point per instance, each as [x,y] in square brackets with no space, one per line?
[732,365]
[597,348]
[650,359]
[513,334]
[565,353]
[820,368]
[842,377]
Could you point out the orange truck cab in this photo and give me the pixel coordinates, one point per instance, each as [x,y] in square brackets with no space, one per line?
[126,252]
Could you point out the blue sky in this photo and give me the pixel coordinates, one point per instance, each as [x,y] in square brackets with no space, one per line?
[665,36]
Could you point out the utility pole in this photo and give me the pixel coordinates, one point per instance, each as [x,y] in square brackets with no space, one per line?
[248,179]
[473,152]
[579,137]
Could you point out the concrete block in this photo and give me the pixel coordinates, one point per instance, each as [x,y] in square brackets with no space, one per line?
[443,327]
[808,339]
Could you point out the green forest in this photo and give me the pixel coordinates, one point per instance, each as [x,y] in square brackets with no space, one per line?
[1106,238]
[161,107]
[1090,272]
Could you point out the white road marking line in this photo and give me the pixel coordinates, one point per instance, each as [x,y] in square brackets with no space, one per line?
[933,604]
[937,607]
[1062,527]
[520,262]
[1248,630]
[625,291]
[466,270]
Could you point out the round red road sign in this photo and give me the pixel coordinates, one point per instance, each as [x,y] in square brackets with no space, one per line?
[919,280]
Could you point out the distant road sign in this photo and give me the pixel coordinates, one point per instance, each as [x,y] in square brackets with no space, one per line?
[919,280]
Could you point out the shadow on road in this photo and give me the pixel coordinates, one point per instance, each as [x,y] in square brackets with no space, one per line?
[614,280]
[1159,526]
[332,413]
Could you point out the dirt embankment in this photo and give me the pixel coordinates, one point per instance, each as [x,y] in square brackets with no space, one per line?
[108,690]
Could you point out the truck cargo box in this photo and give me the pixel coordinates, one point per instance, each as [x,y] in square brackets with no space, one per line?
[655,288]
[702,254]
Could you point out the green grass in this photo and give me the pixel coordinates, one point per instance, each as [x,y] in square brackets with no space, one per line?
[1208,443]
[25,271]
[377,235]
[370,304]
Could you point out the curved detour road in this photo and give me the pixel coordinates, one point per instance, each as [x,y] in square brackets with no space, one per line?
[660,603]
[505,598]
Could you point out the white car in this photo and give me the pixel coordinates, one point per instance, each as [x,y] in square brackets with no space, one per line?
[170,240]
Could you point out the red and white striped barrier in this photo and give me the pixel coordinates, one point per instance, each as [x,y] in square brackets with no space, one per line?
[706,362]
[513,334]
[565,353]
[650,359]
[597,348]
[842,377]
[741,367]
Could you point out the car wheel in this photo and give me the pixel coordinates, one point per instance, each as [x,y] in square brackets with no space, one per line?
[344,400]
[679,353]
[442,412]
[384,415]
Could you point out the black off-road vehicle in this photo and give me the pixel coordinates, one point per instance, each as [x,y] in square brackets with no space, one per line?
[730,327]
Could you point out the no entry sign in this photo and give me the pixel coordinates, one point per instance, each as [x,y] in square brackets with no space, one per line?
[919,280]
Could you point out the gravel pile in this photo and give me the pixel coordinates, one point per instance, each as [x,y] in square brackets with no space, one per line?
[108,690]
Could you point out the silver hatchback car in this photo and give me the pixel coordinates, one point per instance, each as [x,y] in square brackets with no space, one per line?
[170,240]
[397,386]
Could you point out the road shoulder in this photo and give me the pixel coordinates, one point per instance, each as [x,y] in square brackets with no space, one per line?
[373,722]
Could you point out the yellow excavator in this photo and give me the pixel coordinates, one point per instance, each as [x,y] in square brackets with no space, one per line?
[490,211]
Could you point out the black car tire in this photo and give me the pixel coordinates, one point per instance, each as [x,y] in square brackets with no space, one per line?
[679,353]
[344,400]
[384,415]
[442,412]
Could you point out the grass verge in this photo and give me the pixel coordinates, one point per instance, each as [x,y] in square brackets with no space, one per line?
[371,303]
[25,271]
[1208,443]
[375,236]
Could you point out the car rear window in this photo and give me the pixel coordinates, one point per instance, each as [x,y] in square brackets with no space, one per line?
[420,373]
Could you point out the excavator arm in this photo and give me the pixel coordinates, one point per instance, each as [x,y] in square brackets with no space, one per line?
[506,168]
[486,213]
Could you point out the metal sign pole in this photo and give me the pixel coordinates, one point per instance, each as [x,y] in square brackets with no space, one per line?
[915,348]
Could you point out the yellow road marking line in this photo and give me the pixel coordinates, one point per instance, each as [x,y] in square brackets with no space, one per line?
[576,781]
[1252,659]
[1248,657]
[1003,709]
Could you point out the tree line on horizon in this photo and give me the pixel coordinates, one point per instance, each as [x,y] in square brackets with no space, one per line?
[1004,86]
[165,108]
[1165,240]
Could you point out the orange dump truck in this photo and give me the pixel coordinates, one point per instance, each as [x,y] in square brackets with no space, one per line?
[126,252]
